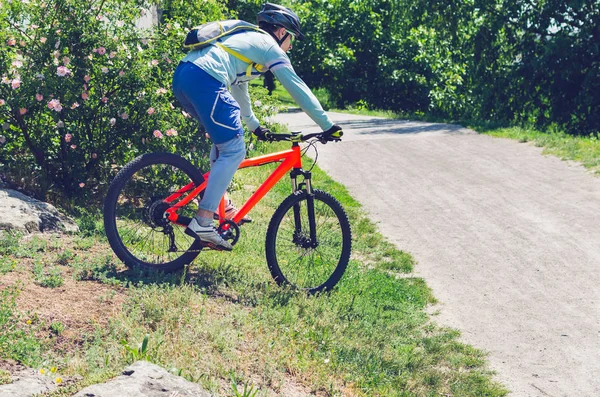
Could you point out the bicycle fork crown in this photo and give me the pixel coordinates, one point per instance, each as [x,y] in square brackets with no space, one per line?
[307,175]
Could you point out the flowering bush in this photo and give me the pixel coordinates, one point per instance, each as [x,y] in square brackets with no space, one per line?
[83,91]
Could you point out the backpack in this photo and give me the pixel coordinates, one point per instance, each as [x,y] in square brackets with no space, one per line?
[210,33]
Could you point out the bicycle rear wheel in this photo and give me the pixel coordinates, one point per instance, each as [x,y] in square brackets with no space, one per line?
[294,257]
[134,208]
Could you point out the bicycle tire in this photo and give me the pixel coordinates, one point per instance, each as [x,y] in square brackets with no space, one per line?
[332,254]
[127,178]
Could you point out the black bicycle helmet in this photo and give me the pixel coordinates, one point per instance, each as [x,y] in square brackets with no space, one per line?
[275,14]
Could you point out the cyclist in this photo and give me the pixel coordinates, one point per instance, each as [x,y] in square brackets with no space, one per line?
[212,85]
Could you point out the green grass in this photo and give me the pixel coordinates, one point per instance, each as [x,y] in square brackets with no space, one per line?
[225,324]
[18,339]
[583,149]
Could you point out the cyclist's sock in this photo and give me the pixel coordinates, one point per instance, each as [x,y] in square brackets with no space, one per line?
[202,221]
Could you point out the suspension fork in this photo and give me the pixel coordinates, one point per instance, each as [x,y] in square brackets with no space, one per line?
[310,206]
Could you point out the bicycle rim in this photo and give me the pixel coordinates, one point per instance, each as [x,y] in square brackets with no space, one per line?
[136,227]
[293,259]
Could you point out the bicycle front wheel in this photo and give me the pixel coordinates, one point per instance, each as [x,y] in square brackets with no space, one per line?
[134,212]
[311,260]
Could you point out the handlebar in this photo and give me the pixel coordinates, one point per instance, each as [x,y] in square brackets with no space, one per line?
[299,137]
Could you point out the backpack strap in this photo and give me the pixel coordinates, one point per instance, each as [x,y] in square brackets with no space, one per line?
[259,68]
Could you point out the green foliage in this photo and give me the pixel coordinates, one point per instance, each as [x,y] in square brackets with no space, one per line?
[7,264]
[57,328]
[49,277]
[141,352]
[17,336]
[84,91]
[9,242]
[510,61]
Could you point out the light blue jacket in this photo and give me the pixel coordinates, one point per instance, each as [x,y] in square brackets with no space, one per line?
[262,49]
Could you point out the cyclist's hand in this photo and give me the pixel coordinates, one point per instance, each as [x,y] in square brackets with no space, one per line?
[262,134]
[334,133]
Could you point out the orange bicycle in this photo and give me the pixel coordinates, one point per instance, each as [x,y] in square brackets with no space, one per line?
[153,198]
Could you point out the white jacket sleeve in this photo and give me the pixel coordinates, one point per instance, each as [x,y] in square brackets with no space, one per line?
[241,95]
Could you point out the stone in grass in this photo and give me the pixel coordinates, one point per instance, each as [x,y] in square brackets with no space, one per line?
[20,212]
[143,379]
[27,383]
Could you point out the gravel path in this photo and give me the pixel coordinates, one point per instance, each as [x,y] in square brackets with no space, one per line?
[507,238]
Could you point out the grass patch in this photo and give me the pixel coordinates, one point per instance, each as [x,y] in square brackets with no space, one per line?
[583,149]
[47,276]
[17,334]
[225,324]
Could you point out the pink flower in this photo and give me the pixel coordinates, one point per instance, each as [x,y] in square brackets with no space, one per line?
[66,60]
[22,111]
[81,184]
[101,50]
[55,105]
[154,62]
[185,114]
[62,71]
[121,73]
[150,111]
[157,134]
[161,91]
[68,138]
[74,105]
[84,96]
[22,43]
[171,132]
[112,54]
[124,116]
[6,80]
[104,69]
[11,41]
[112,122]
[86,78]
[104,99]
[16,83]
[39,97]
[2,102]
[17,64]
[73,147]
[94,156]
[58,31]
[43,40]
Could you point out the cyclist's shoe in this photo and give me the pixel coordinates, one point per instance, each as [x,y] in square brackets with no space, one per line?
[231,211]
[208,236]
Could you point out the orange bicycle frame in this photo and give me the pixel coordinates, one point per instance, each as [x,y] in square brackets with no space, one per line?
[289,159]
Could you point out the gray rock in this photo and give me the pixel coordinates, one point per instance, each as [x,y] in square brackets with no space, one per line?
[27,383]
[143,379]
[20,212]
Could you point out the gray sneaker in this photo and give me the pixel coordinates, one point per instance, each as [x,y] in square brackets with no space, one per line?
[208,236]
